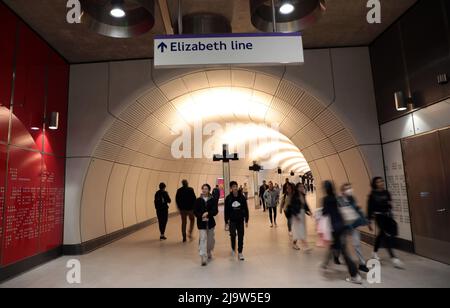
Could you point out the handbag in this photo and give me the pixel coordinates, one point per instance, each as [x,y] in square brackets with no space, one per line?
[349,214]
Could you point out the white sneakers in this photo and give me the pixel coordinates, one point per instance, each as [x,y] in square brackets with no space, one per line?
[240,255]
[397,263]
[375,256]
[356,280]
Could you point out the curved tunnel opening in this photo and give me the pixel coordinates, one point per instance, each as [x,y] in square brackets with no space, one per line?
[263,117]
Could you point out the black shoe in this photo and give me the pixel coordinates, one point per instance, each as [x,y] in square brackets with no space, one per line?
[162,238]
[336,261]
[363,268]
[184,240]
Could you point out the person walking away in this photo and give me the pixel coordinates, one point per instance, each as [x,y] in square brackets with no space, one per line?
[245,190]
[162,201]
[347,200]
[271,197]
[216,193]
[205,210]
[330,208]
[236,215]
[285,185]
[185,199]
[285,205]
[299,210]
[380,209]
[262,190]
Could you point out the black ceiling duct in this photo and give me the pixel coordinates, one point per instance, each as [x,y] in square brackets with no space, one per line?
[119,18]
[290,15]
[204,23]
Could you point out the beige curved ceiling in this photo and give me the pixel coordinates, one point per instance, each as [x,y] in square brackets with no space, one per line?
[134,154]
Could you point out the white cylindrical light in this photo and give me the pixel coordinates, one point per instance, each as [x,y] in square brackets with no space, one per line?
[54,121]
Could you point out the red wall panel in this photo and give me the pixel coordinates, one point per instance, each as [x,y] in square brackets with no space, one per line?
[52,194]
[29,92]
[58,84]
[21,234]
[32,187]
[7,42]
[2,187]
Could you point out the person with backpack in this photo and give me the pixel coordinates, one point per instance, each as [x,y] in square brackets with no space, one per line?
[340,231]
[205,210]
[348,200]
[162,201]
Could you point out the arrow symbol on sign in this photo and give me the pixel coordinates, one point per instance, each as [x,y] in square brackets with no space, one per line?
[162,46]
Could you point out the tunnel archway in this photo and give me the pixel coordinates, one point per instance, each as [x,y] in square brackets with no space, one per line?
[134,155]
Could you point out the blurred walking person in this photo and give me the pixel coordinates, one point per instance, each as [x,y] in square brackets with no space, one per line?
[245,190]
[262,190]
[271,197]
[285,204]
[236,218]
[299,209]
[185,199]
[162,201]
[347,199]
[380,209]
[216,193]
[331,209]
[205,210]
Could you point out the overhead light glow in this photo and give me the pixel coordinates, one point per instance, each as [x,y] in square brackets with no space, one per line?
[287,8]
[117,12]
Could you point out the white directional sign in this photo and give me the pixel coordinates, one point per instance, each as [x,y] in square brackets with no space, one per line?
[216,49]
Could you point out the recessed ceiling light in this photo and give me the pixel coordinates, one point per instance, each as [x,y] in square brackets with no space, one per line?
[287,8]
[117,10]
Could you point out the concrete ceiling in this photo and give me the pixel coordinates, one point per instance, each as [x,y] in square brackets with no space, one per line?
[344,24]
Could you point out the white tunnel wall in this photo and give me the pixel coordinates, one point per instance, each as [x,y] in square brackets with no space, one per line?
[117,158]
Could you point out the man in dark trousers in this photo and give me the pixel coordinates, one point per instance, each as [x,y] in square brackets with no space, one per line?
[236,215]
[162,201]
[262,190]
[285,185]
[216,193]
[185,199]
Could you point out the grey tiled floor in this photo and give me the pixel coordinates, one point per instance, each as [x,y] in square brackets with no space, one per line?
[141,260]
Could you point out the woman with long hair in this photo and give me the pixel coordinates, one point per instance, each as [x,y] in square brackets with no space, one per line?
[205,209]
[286,203]
[299,209]
[331,209]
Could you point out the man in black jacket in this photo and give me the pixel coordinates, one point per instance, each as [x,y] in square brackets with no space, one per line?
[185,199]
[162,201]
[216,193]
[236,214]
[262,190]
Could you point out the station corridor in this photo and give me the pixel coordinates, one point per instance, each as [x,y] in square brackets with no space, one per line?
[142,260]
[108,107]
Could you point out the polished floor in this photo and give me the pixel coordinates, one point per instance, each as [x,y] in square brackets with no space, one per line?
[141,260]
